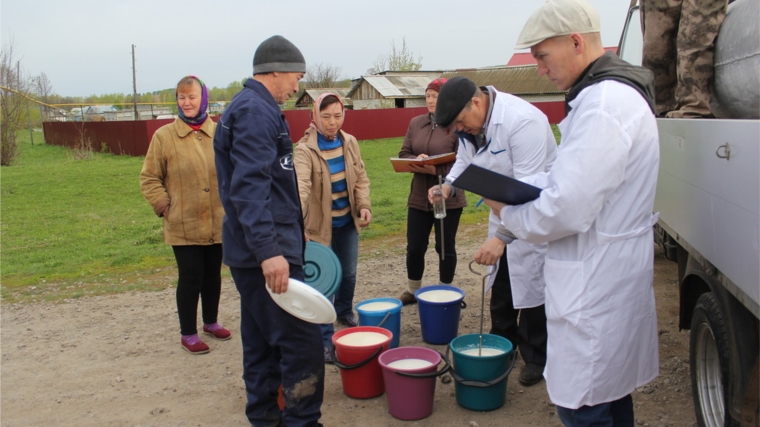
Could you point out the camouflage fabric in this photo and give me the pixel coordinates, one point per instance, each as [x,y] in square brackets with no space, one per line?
[679,43]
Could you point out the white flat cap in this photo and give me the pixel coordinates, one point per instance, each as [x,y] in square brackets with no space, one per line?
[558,18]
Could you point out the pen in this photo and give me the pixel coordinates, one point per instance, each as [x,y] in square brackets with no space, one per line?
[480,202]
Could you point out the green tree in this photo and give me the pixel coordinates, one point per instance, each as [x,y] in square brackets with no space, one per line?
[233,88]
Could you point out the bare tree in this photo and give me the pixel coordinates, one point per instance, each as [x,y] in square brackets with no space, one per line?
[398,59]
[12,103]
[42,87]
[323,76]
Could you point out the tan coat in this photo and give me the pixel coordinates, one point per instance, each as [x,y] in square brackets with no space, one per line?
[179,171]
[315,188]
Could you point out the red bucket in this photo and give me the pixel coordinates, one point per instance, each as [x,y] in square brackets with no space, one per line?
[357,350]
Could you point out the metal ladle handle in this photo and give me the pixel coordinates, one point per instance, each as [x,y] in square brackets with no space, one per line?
[489,272]
[440,187]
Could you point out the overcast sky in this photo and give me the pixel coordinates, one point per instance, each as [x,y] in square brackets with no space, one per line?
[85,47]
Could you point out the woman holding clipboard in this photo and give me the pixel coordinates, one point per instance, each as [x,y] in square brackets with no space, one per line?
[424,138]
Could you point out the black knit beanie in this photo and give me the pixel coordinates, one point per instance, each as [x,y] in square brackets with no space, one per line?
[278,54]
[452,98]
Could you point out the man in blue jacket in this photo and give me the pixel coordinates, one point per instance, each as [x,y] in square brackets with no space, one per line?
[263,240]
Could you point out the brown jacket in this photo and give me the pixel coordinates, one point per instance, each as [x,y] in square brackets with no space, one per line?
[179,171]
[315,188]
[422,137]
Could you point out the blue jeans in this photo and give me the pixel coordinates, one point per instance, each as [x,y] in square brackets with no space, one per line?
[618,413]
[278,348]
[345,244]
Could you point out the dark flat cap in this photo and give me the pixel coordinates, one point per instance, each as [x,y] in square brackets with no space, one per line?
[452,98]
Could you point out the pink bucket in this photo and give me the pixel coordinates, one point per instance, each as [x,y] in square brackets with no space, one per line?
[410,384]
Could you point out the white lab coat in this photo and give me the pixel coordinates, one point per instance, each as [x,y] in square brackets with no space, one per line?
[596,213]
[520,143]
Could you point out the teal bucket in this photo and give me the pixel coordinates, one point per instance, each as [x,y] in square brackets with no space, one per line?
[481,381]
[382,312]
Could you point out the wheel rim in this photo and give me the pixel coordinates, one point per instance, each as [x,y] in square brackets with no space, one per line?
[709,378]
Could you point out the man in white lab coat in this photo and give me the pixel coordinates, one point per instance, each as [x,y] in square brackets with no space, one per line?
[595,212]
[504,134]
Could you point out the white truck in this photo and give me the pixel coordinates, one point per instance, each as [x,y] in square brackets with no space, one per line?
[708,196]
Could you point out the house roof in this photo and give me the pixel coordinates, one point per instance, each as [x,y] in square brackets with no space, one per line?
[431,74]
[99,109]
[397,86]
[526,58]
[522,80]
[314,94]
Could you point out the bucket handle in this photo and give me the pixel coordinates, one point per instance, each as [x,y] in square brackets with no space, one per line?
[483,384]
[356,365]
[446,368]
[387,315]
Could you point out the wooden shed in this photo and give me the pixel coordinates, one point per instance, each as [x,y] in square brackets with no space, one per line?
[306,100]
[391,89]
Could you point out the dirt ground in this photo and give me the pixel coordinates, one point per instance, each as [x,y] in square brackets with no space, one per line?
[116,360]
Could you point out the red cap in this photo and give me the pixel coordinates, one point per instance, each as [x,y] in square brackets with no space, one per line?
[436,84]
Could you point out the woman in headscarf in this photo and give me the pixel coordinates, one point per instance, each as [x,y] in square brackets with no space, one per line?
[178,179]
[334,191]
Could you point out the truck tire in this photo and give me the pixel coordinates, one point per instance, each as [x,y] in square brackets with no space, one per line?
[709,356]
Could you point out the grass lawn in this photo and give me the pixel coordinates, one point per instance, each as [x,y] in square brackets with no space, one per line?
[76,226]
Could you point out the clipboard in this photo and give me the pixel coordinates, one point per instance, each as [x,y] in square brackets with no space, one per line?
[402,165]
[495,186]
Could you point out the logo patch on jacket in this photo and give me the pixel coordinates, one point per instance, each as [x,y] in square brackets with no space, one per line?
[287,162]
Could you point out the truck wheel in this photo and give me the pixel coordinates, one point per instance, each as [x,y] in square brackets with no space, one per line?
[709,362]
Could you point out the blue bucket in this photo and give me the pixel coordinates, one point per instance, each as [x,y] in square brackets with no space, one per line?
[481,380]
[382,312]
[439,321]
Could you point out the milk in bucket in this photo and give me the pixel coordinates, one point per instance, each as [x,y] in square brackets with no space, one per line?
[378,306]
[361,339]
[440,295]
[482,352]
[384,313]
[410,364]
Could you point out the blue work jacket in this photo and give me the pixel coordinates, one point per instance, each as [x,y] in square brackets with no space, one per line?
[257,181]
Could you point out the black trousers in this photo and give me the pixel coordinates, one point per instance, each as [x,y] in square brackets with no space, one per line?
[199,276]
[418,226]
[529,334]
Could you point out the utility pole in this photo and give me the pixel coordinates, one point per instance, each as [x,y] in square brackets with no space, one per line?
[134,83]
